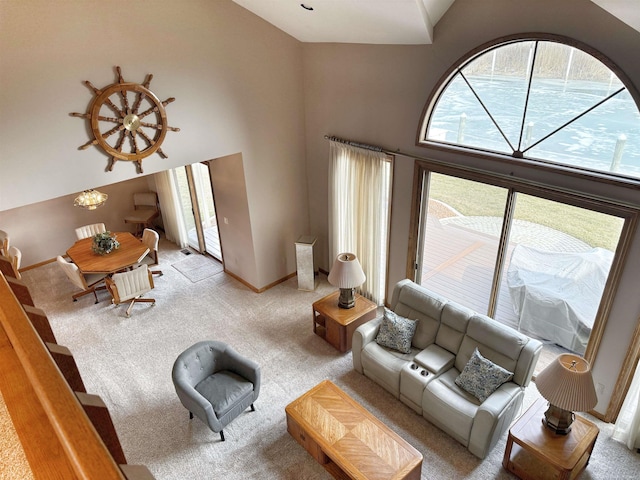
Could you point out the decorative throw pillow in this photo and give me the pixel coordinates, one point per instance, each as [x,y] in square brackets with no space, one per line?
[481,377]
[396,332]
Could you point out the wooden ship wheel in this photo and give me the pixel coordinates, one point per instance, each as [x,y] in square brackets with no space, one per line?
[138,127]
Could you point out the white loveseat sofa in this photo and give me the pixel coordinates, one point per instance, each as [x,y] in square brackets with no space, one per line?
[446,336]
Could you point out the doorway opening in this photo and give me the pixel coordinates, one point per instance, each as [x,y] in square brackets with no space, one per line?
[198,208]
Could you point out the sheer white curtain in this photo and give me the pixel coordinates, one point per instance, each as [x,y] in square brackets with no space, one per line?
[627,427]
[171,208]
[359,210]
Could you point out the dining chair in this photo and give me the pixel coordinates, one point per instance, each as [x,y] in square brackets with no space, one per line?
[151,238]
[88,283]
[15,255]
[90,230]
[4,243]
[145,209]
[129,287]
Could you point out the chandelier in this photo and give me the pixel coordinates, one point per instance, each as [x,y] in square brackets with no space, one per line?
[90,199]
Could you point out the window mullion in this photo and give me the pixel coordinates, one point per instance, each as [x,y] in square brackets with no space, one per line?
[518,153]
[503,244]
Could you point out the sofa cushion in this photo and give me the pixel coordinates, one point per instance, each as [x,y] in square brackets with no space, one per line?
[396,332]
[449,407]
[224,390]
[417,303]
[383,365]
[453,325]
[498,343]
[481,377]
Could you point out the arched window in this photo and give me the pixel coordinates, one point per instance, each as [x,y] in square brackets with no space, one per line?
[552,103]
[542,98]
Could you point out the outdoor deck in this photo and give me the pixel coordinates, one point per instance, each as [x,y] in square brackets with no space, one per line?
[211,239]
[460,256]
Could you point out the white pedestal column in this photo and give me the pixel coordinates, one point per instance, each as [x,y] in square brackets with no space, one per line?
[305,264]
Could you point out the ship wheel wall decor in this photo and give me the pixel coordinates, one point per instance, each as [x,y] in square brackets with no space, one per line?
[138,127]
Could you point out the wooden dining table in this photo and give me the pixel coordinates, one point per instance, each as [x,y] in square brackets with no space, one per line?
[130,252]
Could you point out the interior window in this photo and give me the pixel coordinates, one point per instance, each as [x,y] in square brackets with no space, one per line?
[542,100]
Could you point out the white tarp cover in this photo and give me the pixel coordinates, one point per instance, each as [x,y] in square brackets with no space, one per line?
[557,294]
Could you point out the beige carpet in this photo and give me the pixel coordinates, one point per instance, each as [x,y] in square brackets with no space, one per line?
[127,361]
[13,462]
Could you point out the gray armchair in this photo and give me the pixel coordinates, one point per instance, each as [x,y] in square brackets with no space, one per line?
[215,383]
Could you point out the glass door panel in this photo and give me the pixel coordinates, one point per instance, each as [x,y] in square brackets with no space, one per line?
[460,233]
[182,183]
[557,262]
[207,210]
[194,185]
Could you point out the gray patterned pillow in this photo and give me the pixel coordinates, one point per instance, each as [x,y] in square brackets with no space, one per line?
[481,377]
[396,332]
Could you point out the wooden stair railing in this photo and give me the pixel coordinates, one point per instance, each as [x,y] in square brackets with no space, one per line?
[41,323]
[57,435]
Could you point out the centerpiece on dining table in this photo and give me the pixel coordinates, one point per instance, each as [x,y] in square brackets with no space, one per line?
[104,243]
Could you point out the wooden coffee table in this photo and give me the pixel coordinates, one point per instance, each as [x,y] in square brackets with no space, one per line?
[347,440]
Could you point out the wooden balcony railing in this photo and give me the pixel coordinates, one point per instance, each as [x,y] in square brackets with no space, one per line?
[64,434]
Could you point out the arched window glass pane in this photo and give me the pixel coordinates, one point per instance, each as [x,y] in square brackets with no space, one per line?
[541,100]
[460,119]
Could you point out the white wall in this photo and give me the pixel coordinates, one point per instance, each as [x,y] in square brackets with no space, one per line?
[376,94]
[238,86]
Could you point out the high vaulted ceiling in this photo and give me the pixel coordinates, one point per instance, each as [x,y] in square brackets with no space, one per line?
[405,22]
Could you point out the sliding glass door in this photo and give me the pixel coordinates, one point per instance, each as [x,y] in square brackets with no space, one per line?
[459,250]
[538,264]
[198,208]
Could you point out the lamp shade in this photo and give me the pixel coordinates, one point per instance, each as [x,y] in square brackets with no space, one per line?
[90,199]
[567,383]
[346,272]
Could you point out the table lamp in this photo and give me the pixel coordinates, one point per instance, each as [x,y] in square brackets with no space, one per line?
[567,384]
[346,274]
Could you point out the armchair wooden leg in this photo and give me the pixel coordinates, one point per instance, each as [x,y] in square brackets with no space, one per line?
[221,435]
[253,409]
[190,416]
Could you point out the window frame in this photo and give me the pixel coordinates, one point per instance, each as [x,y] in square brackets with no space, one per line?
[630,215]
[539,164]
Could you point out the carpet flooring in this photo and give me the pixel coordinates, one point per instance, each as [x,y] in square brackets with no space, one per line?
[198,267]
[128,361]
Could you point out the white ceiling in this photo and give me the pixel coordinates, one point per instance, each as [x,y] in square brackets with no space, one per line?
[405,22]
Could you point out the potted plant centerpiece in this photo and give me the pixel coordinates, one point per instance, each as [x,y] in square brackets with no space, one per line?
[104,243]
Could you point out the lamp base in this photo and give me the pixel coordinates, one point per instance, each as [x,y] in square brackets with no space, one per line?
[558,419]
[347,298]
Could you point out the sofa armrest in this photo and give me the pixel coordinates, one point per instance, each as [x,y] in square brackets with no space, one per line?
[364,334]
[244,367]
[494,417]
[527,362]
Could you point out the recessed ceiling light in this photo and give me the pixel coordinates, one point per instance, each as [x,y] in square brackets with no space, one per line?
[306,7]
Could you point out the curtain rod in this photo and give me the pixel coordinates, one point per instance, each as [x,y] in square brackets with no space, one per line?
[356,144]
